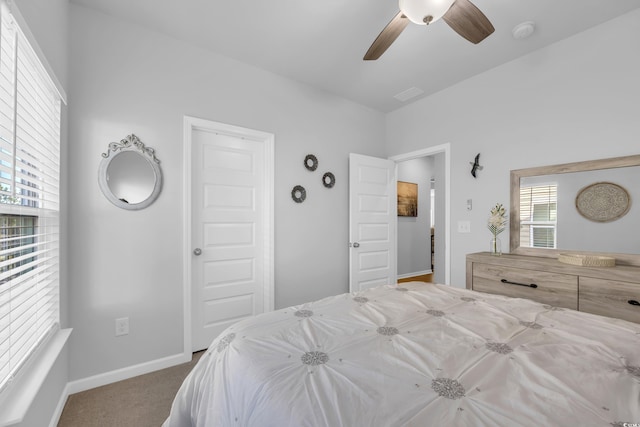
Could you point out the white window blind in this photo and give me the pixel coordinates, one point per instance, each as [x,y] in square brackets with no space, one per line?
[30,107]
[538,215]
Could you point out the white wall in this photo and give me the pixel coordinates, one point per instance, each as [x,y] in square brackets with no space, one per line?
[124,80]
[572,101]
[414,235]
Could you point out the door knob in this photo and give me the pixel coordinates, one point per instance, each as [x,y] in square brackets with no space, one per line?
[197,251]
[356,245]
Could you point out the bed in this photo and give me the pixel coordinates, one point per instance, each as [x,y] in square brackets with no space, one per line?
[417,354]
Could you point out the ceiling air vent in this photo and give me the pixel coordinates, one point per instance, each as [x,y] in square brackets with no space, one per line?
[408,94]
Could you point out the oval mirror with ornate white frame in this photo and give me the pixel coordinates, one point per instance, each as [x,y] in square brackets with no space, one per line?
[625,256]
[129,174]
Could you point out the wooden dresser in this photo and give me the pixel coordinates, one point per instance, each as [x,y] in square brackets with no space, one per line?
[607,291]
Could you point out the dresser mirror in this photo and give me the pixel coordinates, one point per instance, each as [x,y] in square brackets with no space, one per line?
[547,217]
[129,174]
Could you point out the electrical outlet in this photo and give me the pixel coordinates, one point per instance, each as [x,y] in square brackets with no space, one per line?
[122,326]
[464,226]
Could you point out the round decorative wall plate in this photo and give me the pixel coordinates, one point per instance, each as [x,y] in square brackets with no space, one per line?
[311,162]
[328,180]
[603,202]
[298,194]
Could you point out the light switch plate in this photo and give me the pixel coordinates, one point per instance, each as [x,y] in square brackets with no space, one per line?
[464,226]
[122,326]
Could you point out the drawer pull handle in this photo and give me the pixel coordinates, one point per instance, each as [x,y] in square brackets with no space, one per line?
[532,285]
[633,302]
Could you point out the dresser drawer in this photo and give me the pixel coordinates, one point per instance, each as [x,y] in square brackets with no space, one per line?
[560,290]
[610,298]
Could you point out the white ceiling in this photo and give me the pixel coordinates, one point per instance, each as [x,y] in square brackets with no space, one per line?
[322,42]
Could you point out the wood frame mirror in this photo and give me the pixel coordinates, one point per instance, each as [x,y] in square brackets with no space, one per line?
[514,215]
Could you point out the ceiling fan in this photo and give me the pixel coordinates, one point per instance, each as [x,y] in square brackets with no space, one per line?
[461,15]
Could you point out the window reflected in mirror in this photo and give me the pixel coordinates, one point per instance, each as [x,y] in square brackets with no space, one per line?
[538,215]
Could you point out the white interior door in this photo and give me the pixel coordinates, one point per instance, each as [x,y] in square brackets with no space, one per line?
[372,222]
[231,229]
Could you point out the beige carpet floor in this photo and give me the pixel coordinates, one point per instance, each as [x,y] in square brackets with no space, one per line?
[142,401]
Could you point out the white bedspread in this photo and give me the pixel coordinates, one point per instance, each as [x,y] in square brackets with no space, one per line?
[417,355]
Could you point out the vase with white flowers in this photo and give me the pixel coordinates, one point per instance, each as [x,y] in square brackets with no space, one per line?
[496,224]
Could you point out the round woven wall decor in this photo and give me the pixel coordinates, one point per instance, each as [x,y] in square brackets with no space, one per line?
[603,202]
[298,194]
[328,180]
[311,162]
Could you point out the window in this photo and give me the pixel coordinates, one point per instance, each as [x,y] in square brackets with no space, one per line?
[30,108]
[17,245]
[539,215]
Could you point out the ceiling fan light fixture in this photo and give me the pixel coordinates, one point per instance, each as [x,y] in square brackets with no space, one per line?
[424,12]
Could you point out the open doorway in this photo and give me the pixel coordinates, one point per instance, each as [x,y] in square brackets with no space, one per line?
[416,225]
[423,240]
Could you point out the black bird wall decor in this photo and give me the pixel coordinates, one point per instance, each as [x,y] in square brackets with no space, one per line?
[475,166]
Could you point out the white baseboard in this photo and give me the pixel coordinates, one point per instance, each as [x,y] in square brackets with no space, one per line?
[417,273]
[126,373]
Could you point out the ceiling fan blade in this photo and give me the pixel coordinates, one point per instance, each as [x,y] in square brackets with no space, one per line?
[468,21]
[387,36]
